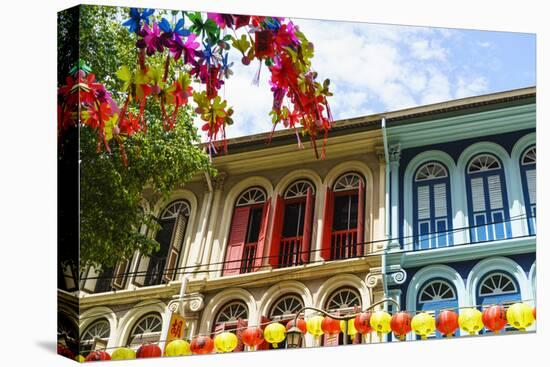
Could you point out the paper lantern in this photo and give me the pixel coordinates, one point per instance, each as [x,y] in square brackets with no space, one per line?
[520,316]
[301,324]
[226,342]
[401,324]
[494,318]
[149,351]
[65,351]
[123,353]
[253,336]
[447,323]
[380,322]
[351,327]
[314,326]
[274,333]
[80,358]
[202,345]
[177,348]
[470,320]
[423,324]
[330,326]
[98,355]
[362,323]
[535,312]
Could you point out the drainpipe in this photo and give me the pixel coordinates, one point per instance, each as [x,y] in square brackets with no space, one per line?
[387,209]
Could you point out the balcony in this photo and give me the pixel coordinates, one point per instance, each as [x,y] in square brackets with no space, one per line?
[344,245]
[290,251]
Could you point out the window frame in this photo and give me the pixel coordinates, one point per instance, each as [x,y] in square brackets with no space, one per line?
[530,208]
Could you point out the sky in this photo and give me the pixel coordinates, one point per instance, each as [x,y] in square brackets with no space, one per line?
[376,68]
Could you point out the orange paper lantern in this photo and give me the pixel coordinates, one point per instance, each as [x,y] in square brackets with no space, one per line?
[202,345]
[447,323]
[149,351]
[401,324]
[301,324]
[252,337]
[330,326]
[362,323]
[494,318]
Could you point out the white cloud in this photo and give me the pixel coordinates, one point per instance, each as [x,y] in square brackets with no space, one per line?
[471,87]
[424,49]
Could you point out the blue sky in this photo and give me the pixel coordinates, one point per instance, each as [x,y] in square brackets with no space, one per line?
[376,68]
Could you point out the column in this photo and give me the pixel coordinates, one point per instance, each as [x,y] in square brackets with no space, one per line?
[395,156]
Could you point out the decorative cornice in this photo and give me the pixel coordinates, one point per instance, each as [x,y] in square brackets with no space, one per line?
[395,153]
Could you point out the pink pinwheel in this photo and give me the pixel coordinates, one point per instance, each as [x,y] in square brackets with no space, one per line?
[187,49]
[152,39]
[222,20]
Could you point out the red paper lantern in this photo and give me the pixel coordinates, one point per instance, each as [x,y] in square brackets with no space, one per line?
[447,322]
[252,336]
[202,345]
[362,323]
[302,325]
[98,355]
[494,318]
[330,326]
[149,351]
[65,351]
[401,324]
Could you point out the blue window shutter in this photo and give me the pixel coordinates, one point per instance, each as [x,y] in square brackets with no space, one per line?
[478,194]
[495,192]
[423,199]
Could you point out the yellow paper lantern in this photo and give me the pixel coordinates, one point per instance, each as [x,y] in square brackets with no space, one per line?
[380,322]
[225,342]
[423,324]
[470,320]
[177,348]
[351,327]
[520,316]
[314,326]
[123,353]
[80,359]
[274,333]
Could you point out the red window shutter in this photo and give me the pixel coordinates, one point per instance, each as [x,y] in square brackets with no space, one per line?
[361,217]
[264,321]
[235,245]
[327,224]
[276,231]
[241,326]
[261,237]
[308,221]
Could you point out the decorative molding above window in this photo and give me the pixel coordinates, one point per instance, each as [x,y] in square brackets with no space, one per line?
[483,162]
[298,189]
[529,157]
[431,171]
[349,181]
[436,290]
[175,208]
[232,312]
[254,195]
[496,284]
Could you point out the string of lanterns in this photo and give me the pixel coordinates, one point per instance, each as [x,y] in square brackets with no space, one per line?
[494,318]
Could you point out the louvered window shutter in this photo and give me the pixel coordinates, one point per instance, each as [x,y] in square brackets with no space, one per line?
[141,271]
[259,256]
[308,221]
[440,200]
[532,185]
[119,275]
[276,232]
[176,245]
[478,194]
[495,192]
[361,217]
[327,224]
[423,202]
[89,282]
[235,244]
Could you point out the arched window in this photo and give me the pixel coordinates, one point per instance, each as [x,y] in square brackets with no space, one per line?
[435,296]
[432,207]
[146,330]
[342,302]
[161,266]
[291,231]
[246,241]
[232,317]
[344,218]
[286,308]
[97,330]
[529,180]
[497,288]
[66,327]
[487,202]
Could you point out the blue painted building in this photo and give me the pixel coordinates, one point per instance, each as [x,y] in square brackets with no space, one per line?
[462,193]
